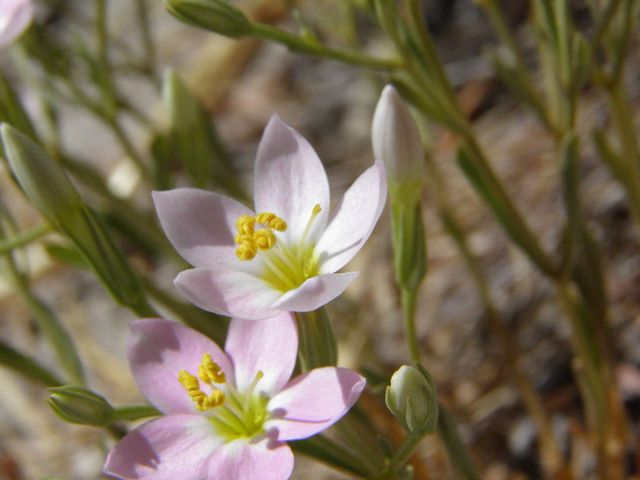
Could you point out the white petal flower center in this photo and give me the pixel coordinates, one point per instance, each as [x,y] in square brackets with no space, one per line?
[285,267]
[233,414]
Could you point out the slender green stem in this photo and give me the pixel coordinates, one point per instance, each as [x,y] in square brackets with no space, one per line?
[48,323]
[135,412]
[300,45]
[401,455]
[149,47]
[24,238]
[408,317]
[603,409]
[494,12]
[458,453]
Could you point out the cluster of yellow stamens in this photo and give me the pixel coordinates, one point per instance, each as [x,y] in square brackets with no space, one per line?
[209,372]
[249,239]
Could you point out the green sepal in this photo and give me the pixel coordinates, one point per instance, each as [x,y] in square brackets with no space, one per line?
[409,244]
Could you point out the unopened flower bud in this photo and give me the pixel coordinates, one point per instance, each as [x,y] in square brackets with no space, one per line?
[396,140]
[79,405]
[411,397]
[51,191]
[44,182]
[214,15]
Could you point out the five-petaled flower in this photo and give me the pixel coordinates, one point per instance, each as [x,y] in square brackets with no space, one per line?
[228,414]
[15,17]
[283,256]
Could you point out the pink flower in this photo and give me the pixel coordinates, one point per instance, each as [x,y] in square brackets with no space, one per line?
[15,17]
[283,257]
[233,419]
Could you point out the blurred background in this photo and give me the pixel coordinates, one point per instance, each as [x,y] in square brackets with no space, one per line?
[241,83]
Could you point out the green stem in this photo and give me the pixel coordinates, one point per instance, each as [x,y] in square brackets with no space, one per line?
[603,409]
[300,45]
[457,450]
[408,317]
[135,412]
[401,455]
[148,45]
[24,238]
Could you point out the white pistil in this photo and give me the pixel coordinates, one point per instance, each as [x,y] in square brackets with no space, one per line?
[285,259]
[303,240]
[279,273]
[251,389]
[231,419]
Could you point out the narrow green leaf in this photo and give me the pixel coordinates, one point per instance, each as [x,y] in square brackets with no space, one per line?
[194,140]
[13,359]
[503,209]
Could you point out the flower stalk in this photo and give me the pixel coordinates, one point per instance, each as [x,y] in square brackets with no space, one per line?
[318,346]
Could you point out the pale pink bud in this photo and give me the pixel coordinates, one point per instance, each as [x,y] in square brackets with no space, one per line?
[396,140]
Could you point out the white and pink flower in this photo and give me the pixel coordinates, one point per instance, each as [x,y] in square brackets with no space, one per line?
[228,414]
[283,256]
[15,17]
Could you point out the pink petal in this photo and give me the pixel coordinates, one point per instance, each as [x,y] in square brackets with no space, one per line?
[265,459]
[315,292]
[158,350]
[313,401]
[15,17]
[353,218]
[228,292]
[290,180]
[166,448]
[269,346]
[200,225]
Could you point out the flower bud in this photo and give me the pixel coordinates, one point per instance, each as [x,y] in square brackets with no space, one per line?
[411,397]
[214,15]
[79,405]
[396,139]
[49,189]
[44,182]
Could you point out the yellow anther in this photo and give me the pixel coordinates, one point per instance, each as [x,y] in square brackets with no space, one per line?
[278,224]
[317,209]
[243,236]
[210,371]
[192,386]
[272,221]
[247,250]
[245,225]
[265,239]
[188,381]
[265,217]
[214,400]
